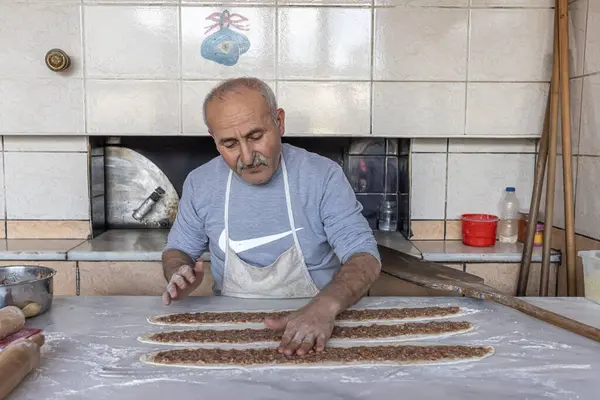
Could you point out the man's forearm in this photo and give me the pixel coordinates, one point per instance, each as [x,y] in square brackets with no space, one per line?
[172,259]
[351,283]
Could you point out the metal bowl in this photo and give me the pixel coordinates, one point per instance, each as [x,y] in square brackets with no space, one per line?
[29,287]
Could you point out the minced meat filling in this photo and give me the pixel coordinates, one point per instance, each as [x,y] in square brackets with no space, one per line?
[257,317]
[339,332]
[329,355]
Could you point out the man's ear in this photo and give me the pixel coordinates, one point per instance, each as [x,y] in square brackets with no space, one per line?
[280,121]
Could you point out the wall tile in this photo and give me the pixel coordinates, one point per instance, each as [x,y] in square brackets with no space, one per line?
[404,176]
[130,278]
[133,107]
[130,1]
[131,42]
[47,1]
[217,2]
[30,30]
[56,185]
[391,174]
[453,230]
[193,93]
[2,191]
[512,3]
[428,191]
[64,282]
[420,44]
[577,28]
[500,37]
[474,145]
[325,108]
[426,145]
[46,143]
[427,230]
[423,3]
[590,116]
[476,182]
[325,2]
[259,60]
[418,108]
[559,194]
[324,43]
[575,94]
[45,229]
[587,208]
[592,45]
[506,108]
[503,277]
[30,110]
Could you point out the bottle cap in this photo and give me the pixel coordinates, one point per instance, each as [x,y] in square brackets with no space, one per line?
[510,189]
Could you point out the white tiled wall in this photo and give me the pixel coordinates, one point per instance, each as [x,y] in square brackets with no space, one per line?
[587,194]
[45,178]
[477,170]
[340,67]
[415,68]
[455,176]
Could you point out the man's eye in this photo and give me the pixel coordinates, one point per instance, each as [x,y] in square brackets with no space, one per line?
[230,145]
[256,136]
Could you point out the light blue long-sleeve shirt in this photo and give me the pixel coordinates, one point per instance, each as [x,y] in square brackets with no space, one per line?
[328,219]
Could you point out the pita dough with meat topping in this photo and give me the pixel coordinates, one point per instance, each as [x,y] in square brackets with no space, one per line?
[354,315]
[238,336]
[330,357]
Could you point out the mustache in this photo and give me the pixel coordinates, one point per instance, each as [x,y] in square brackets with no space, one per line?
[257,160]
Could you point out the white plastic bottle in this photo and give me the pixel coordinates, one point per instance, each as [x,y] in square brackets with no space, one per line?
[508,225]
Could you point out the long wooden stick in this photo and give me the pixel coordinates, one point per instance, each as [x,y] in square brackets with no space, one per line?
[551,177]
[563,44]
[534,206]
[439,277]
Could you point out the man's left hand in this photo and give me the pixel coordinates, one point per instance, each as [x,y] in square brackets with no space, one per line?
[305,329]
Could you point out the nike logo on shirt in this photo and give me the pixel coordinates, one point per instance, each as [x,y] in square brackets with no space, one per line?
[243,245]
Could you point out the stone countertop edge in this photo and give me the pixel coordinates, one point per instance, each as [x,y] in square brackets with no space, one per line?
[147,245]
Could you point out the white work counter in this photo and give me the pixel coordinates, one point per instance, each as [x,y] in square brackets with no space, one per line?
[91,353]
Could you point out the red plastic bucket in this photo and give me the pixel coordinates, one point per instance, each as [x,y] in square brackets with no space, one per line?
[479,230]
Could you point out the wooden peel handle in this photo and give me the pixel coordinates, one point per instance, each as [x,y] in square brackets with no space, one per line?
[17,361]
[12,320]
[550,317]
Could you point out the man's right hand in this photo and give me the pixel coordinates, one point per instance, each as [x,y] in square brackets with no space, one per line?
[184,281]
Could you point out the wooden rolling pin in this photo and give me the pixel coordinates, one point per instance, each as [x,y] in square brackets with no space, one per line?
[17,361]
[12,319]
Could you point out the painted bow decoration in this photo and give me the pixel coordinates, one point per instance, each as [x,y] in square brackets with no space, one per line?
[225,46]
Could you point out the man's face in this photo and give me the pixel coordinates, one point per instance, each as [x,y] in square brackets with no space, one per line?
[246,135]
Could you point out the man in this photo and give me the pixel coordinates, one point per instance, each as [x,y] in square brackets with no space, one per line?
[280,222]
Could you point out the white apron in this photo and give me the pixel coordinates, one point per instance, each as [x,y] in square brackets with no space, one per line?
[287,277]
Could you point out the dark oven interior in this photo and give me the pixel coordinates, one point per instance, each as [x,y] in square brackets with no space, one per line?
[377,169]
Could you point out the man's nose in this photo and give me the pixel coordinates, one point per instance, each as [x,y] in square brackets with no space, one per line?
[246,156]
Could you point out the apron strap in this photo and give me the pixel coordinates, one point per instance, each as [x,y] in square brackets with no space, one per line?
[226,216]
[288,202]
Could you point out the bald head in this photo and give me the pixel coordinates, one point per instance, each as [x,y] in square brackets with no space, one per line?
[242,116]
[239,85]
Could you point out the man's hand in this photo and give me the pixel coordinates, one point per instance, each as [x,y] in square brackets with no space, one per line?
[184,281]
[305,329]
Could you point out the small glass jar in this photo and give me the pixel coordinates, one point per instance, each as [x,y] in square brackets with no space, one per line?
[388,220]
[524,217]
[538,239]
